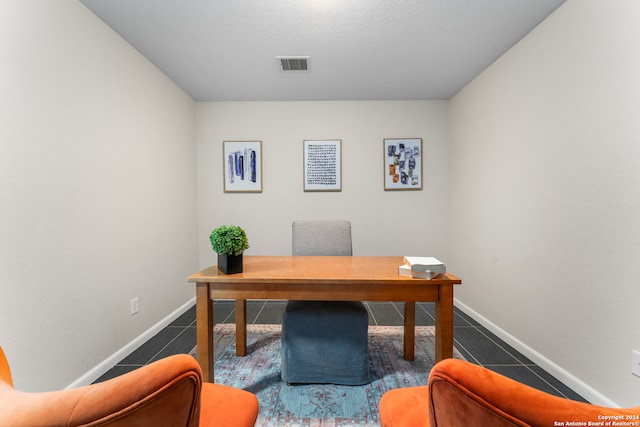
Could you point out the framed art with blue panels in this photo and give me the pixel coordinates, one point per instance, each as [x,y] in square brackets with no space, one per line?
[242,166]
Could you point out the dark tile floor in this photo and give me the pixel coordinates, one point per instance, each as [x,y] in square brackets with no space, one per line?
[474,341]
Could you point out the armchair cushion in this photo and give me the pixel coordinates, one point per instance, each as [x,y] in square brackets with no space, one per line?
[405,407]
[227,406]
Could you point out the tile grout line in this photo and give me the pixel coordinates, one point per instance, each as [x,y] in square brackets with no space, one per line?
[184,328]
[255,319]
[519,362]
[375,321]
[460,346]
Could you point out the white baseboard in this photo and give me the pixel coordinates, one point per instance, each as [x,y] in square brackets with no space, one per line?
[580,387]
[112,360]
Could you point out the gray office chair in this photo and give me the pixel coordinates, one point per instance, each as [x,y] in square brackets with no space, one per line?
[324,342]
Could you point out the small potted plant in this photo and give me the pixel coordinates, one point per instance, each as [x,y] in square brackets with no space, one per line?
[229,242]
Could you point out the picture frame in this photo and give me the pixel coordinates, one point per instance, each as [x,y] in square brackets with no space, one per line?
[242,166]
[322,165]
[403,164]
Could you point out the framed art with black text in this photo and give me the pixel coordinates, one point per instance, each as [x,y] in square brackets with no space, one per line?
[323,165]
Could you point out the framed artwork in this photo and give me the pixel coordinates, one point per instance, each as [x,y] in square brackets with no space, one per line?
[323,165]
[242,166]
[403,164]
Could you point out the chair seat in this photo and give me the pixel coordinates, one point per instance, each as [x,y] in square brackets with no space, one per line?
[325,342]
[222,405]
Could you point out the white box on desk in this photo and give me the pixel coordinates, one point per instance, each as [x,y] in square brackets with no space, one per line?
[424,264]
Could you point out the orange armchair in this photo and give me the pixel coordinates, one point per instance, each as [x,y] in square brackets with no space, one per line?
[169,392]
[463,394]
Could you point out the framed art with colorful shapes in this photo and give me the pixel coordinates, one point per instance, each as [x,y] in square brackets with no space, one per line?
[403,164]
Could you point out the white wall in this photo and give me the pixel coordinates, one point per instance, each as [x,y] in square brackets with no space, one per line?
[97,192]
[383,222]
[545,227]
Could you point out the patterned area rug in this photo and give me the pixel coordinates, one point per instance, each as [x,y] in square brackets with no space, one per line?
[319,405]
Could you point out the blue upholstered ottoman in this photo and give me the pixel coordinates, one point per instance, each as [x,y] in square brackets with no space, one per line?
[325,343]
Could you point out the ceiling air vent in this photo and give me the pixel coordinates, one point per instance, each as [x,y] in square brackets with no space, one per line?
[294,63]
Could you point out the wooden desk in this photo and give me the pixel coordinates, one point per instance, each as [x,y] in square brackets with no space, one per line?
[348,278]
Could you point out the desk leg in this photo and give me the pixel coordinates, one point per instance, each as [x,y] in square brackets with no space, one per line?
[204,330]
[241,327]
[409,329]
[444,323]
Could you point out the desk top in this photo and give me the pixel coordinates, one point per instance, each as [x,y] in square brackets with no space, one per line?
[320,269]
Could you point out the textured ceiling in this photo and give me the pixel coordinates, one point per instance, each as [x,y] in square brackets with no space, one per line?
[225,50]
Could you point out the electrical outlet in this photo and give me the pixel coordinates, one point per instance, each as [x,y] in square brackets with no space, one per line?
[635,368]
[134,305]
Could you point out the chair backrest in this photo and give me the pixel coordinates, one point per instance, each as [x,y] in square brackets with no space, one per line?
[5,371]
[328,237]
[164,393]
[461,393]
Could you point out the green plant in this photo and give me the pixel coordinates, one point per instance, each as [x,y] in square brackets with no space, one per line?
[229,239]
